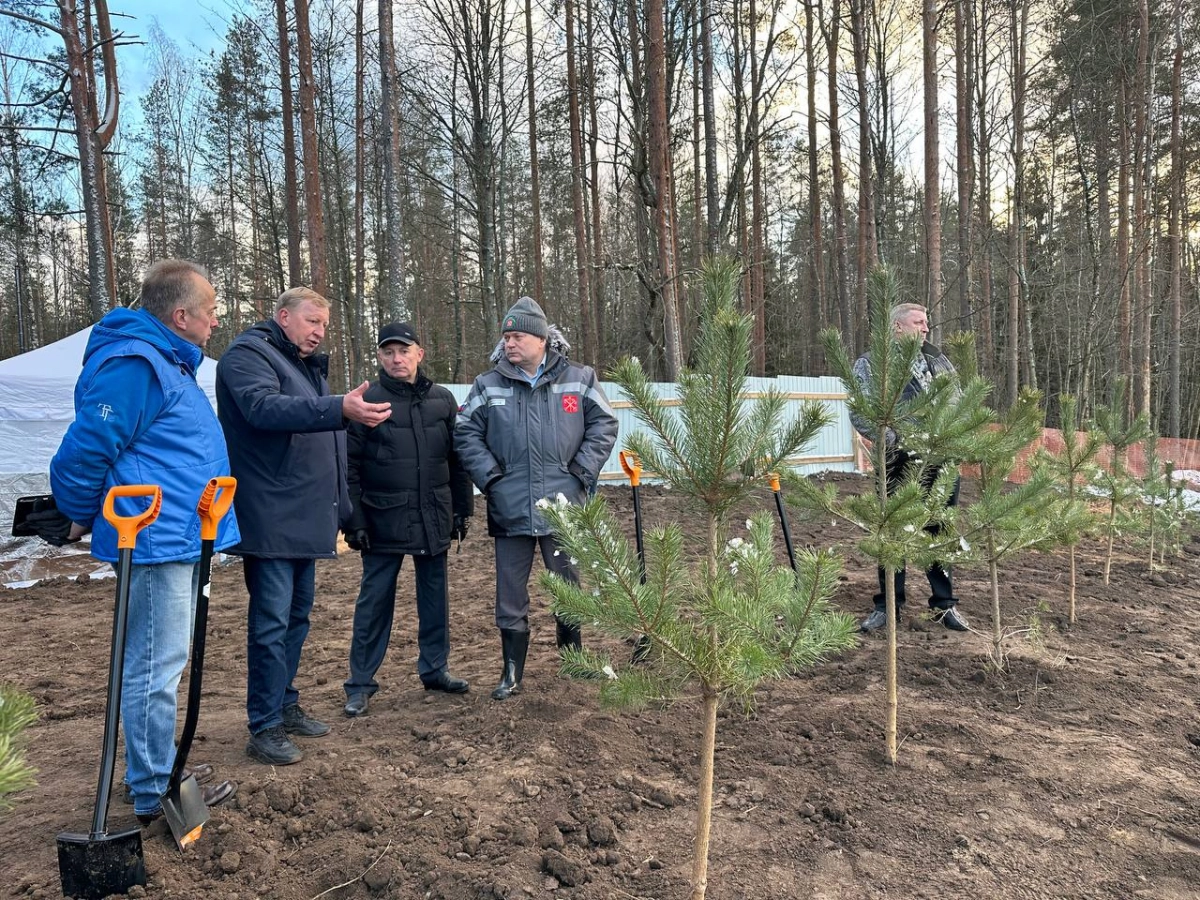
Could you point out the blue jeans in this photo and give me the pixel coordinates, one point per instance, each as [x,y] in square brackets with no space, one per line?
[281,597]
[161,606]
[376,607]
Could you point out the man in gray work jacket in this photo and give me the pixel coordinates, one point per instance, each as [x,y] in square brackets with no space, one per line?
[537,425]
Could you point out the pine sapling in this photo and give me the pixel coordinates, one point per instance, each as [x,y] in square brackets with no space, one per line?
[1074,468]
[719,627]
[1010,519]
[16,715]
[1120,431]
[901,526]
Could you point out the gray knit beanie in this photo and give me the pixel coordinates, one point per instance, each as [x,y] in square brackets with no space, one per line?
[526,316]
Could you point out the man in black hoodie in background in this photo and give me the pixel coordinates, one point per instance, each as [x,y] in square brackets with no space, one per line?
[409,497]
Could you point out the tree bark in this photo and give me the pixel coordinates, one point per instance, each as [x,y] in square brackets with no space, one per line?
[535,192]
[964,80]
[661,172]
[291,190]
[319,268]
[582,284]
[838,205]
[1174,337]
[88,145]
[816,254]
[933,209]
[393,287]
[867,255]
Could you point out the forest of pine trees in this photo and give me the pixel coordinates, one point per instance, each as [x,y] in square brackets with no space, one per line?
[1028,169]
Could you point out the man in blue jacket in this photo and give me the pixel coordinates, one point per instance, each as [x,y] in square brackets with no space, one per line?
[141,418]
[537,425]
[287,449]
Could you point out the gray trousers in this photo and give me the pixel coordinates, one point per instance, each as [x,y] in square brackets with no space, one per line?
[514,561]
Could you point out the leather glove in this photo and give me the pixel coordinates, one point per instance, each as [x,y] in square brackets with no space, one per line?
[51,526]
[458,531]
[359,540]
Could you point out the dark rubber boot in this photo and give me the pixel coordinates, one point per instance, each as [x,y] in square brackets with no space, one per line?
[567,635]
[514,645]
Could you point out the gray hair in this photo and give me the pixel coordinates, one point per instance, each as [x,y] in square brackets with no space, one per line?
[170,284]
[901,310]
[293,297]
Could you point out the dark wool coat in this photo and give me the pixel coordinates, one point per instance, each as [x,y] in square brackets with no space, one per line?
[287,446]
[406,484]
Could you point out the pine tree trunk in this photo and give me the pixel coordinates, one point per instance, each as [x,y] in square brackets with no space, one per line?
[816,254]
[891,678]
[535,192]
[393,287]
[596,273]
[997,632]
[583,290]
[1174,337]
[1112,530]
[360,171]
[88,149]
[1071,595]
[291,189]
[319,267]
[710,130]
[838,206]
[704,791]
[964,78]
[867,243]
[661,171]
[933,209]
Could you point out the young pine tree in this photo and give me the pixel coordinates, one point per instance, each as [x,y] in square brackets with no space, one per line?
[912,524]
[1074,468]
[717,627]
[1010,519]
[1120,432]
[16,715]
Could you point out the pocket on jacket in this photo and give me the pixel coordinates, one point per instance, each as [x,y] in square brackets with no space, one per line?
[390,515]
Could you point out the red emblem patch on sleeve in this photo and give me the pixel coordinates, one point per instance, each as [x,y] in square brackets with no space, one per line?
[570,403]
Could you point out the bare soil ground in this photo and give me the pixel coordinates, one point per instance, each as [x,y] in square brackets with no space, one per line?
[1073,776]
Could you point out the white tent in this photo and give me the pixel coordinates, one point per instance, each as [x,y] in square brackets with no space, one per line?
[36,405]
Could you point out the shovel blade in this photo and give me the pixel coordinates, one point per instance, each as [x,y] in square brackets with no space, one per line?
[185,811]
[93,867]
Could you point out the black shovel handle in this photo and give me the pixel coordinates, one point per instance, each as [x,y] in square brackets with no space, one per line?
[633,468]
[773,479]
[127,531]
[214,504]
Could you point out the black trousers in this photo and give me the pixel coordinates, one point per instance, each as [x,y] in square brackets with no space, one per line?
[941,589]
[514,561]
[374,611]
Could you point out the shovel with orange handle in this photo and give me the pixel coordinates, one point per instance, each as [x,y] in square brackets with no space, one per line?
[183,803]
[773,480]
[632,467]
[94,865]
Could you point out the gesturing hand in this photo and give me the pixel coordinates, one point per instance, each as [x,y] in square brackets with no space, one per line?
[356,409]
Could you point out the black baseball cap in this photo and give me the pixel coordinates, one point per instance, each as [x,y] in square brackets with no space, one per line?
[397,331]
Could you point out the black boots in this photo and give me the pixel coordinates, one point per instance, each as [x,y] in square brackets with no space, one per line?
[567,635]
[514,645]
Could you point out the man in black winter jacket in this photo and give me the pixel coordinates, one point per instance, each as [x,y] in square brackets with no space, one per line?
[409,496]
[287,449]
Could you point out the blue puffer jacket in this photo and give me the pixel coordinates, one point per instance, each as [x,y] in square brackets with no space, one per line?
[141,418]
